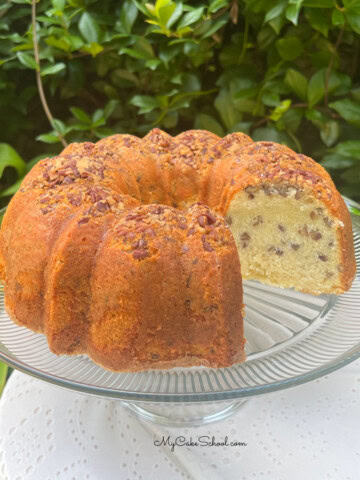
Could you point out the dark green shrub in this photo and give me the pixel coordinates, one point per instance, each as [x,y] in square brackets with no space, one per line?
[285,70]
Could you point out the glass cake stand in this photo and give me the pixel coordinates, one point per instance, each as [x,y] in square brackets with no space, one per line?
[292,338]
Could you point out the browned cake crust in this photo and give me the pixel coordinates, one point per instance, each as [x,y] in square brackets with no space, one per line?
[107,251]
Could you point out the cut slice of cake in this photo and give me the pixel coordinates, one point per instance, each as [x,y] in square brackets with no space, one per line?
[290,224]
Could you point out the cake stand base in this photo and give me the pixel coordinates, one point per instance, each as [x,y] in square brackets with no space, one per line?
[188,415]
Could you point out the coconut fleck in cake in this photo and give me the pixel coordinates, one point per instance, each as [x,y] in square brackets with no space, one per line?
[129,250]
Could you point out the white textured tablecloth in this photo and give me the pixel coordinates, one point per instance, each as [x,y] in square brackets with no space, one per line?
[311,431]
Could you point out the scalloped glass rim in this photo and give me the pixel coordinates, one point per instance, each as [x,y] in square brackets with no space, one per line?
[289,355]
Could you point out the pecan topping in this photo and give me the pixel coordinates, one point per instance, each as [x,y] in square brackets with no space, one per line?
[304,231]
[245,239]
[276,250]
[315,235]
[75,200]
[257,220]
[133,217]
[211,219]
[102,206]
[207,247]
[68,180]
[202,221]
[322,257]
[140,254]
[142,243]
[328,222]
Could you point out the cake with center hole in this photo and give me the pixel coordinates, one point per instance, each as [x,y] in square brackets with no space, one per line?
[133,251]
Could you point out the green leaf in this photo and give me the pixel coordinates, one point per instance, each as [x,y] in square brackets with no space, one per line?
[98,119]
[316,88]
[52,69]
[10,158]
[354,20]
[293,10]
[348,109]
[297,82]
[110,107]
[276,11]
[60,43]
[352,6]
[243,127]
[175,16]
[225,106]
[269,134]
[216,5]
[3,374]
[128,15]
[214,27]
[265,38]
[270,99]
[146,103]
[80,115]
[165,13]
[329,129]
[171,119]
[191,17]
[58,4]
[351,148]
[291,120]
[188,81]
[289,48]
[94,49]
[352,175]
[58,126]
[277,23]
[206,122]
[153,63]
[339,83]
[89,28]
[48,138]
[122,78]
[12,189]
[279,111]
[318,20]
[319,3]
[329,132]
[316,118]
[27,60]
[142,49]
[337,17]
[337,162]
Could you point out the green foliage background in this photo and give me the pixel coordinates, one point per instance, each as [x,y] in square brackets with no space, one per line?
[281,70]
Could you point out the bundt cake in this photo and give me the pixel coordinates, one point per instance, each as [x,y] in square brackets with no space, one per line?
[128,249]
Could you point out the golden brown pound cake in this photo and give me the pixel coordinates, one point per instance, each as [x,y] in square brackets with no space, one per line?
[129,250]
